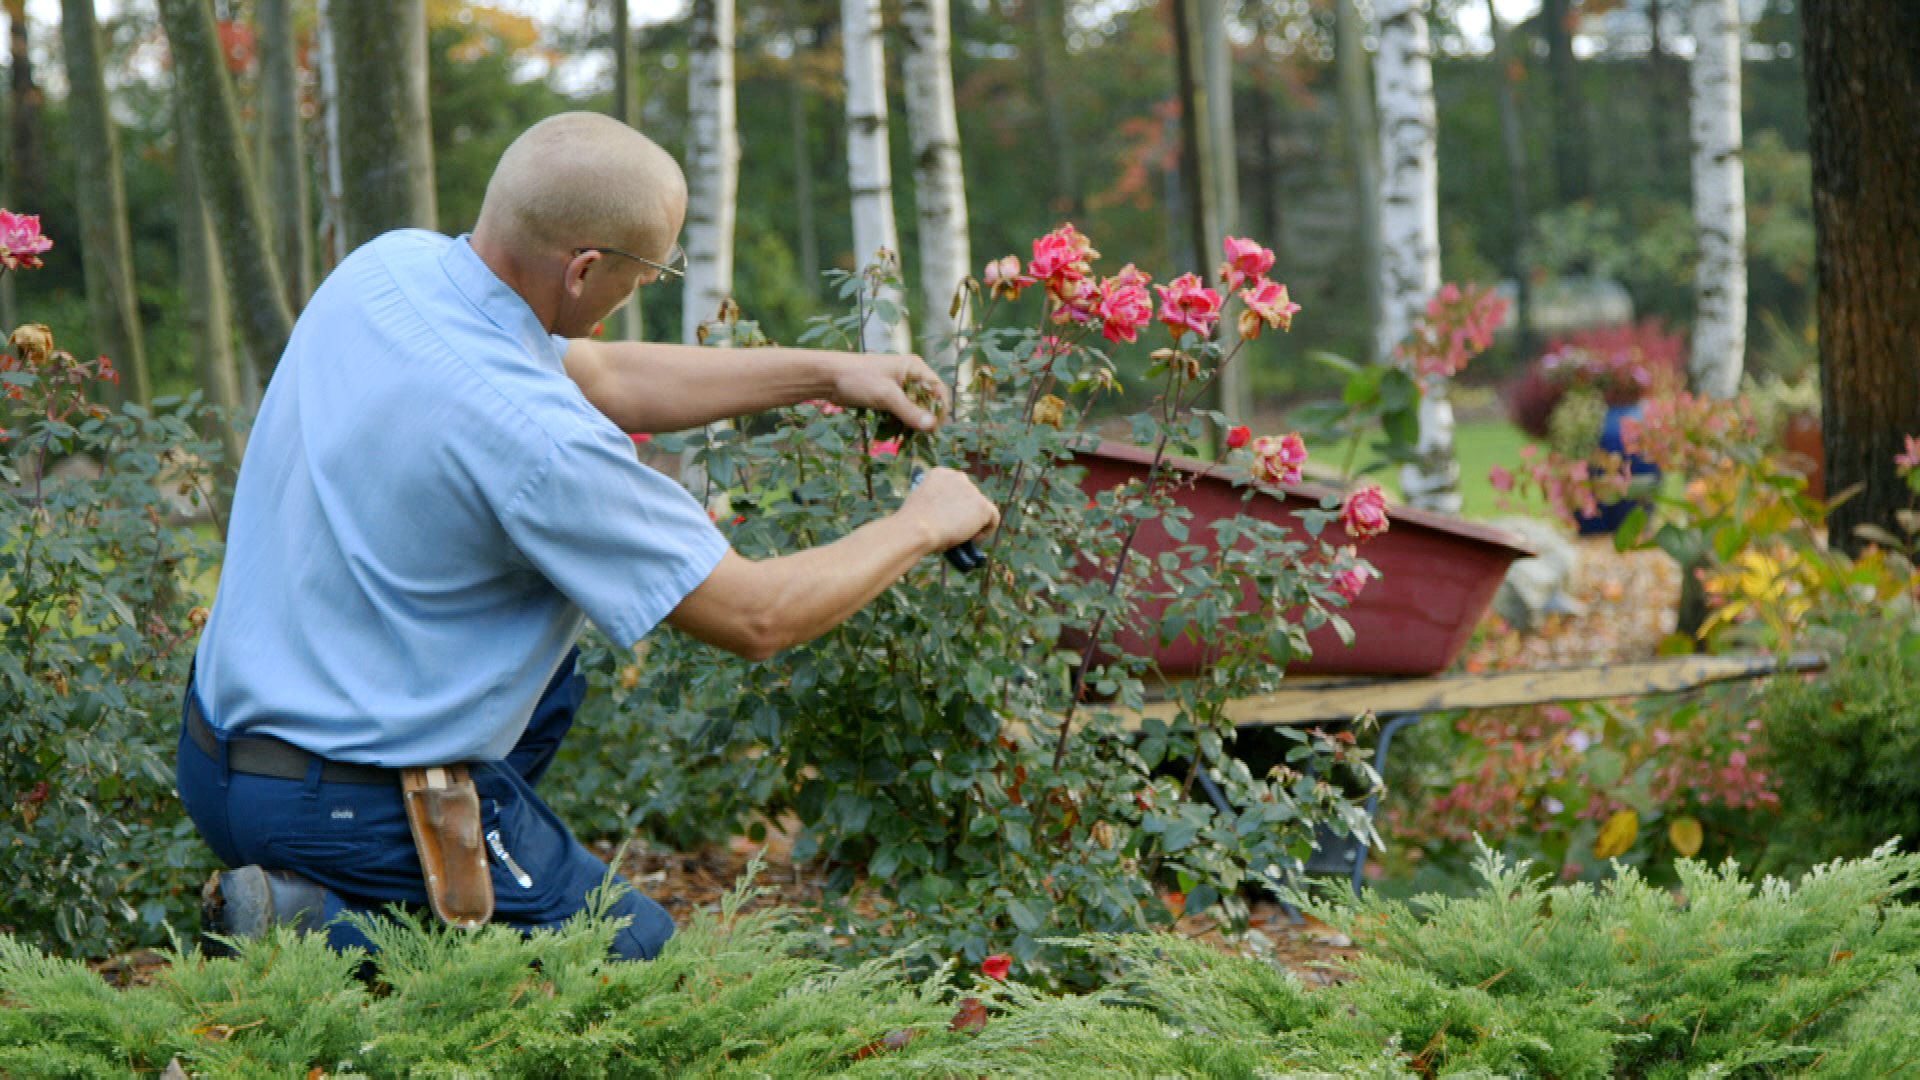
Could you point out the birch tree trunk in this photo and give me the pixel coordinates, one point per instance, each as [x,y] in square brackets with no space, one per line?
[869,173]
[106,250]
[285,171]
[1410,234]
[1863,108]
[226,174]
[332,241]
[1719,202]
[1512,142]
[385,138]
[209,315]
[1356,112]
[939,186]
[626,109]
[713,156]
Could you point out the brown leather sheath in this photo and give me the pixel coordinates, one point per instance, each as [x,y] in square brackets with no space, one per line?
[443,810]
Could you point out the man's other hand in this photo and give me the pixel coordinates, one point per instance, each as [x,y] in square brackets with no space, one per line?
[949,509]
[897,383]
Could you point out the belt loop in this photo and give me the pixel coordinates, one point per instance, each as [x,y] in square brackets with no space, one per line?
[310,788]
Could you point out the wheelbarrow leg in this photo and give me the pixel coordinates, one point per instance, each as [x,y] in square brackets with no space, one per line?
[1393,725]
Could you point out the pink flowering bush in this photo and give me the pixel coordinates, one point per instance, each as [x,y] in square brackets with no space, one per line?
[954,752]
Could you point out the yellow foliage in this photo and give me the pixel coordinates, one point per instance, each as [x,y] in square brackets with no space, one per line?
[1685,835]
[1617,835]
[517,33]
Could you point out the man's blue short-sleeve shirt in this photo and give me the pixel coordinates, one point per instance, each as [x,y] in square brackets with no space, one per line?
[427,510]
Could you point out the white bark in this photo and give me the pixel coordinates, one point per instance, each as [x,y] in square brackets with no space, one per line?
[868,171]
[713,176]
[945,257]
[333,235]
[1410,232]
[1719,201]
[713,165]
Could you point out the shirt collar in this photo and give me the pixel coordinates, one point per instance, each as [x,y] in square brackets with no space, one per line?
[500,304]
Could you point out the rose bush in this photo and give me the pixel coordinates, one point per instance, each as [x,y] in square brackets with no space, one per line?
[956,752]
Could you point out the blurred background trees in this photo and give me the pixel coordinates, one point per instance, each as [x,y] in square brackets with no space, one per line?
[1581,189]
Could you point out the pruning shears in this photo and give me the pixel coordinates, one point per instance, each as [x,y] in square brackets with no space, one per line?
[963,556]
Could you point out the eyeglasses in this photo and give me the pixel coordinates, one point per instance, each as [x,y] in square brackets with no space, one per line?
[676,263]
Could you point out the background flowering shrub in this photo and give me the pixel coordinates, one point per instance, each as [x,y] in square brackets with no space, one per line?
[97,623]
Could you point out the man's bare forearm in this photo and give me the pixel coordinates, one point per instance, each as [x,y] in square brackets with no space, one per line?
[654,387]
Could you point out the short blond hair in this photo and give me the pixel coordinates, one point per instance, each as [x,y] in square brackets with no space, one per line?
[582,179]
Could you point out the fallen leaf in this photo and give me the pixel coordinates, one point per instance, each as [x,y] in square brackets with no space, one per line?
[972,1016]
[1686,836]
[1617,835]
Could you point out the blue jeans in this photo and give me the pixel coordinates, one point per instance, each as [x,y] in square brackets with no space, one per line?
[353,838]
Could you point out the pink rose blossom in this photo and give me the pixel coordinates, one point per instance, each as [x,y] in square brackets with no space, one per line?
[884,448]
[1237,437]
[1125,306]
[641,439]
[1077,300]
[1003,277]
[1277,458]
[1500,478]
[1365,513]
[827,408]
[1187,306]
[1246,261]
[1910,459]
[1061,256]
[20,240]
[1350,581]
[997,966]
[1267,305]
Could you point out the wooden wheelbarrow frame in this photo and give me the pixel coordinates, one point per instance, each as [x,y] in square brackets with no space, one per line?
[1398,702]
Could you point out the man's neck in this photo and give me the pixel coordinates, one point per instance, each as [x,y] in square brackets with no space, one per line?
[499,257]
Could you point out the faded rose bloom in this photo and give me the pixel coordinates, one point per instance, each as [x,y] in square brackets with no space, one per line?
[1277,458]
[34,343]
[1237,437]
[1125,306]
[1132,275]
[1075,301]
[1365,513]
[1350,581]
[1003,277]
[1267,305]
[1061,256]
[1246,261]
[21,243]
[1911,459]
[1050,410]
[997,966]
[1187,306]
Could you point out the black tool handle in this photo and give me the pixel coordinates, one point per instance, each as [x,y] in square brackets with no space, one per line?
[963,556]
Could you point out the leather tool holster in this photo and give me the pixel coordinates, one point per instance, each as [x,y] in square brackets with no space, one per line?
[443,811]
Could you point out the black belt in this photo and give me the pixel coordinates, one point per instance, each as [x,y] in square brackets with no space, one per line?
[267,756]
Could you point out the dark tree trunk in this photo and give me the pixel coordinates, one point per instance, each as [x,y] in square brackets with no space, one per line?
[23,134]
[1047,25]
[1572,164]
[209,316]
[1661,106]
[1196,175]
[226,175]
[1863,117]
[1355,83]
[809,245]
[386,137]
[1512,142]
[106,250]
[285,170]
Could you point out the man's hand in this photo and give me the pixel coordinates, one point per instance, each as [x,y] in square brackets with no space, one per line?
[897,383]
[949,509]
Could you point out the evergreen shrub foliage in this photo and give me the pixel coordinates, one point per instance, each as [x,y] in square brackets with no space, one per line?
[1846,752]
[1724,978]
[97,623]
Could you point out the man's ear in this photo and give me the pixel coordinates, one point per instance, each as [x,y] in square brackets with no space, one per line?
[577,268]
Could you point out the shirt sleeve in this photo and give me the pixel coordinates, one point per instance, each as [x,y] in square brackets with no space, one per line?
[623,542]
